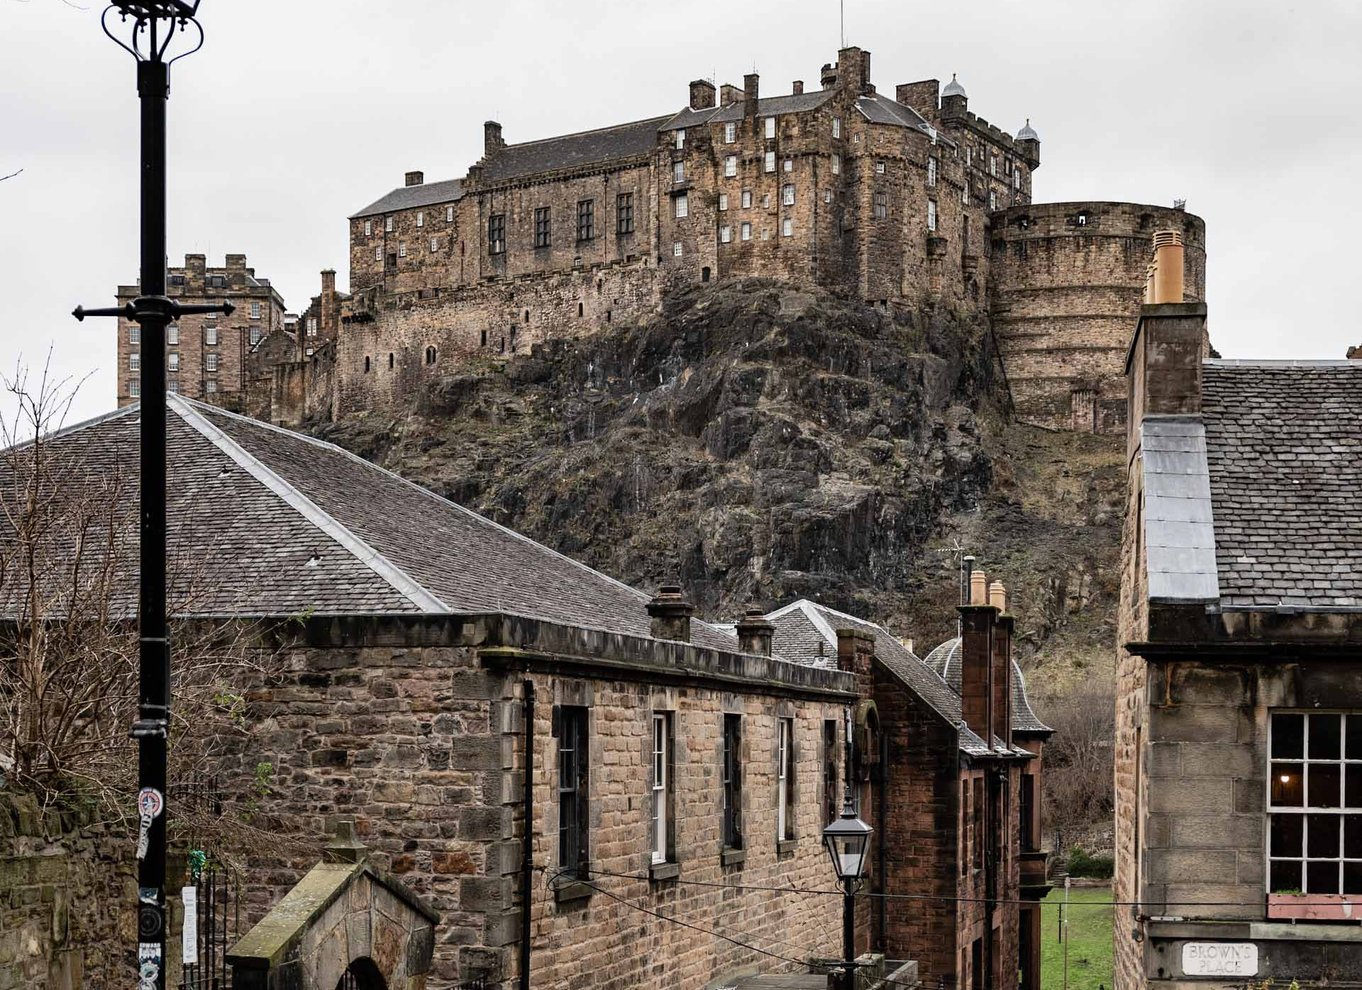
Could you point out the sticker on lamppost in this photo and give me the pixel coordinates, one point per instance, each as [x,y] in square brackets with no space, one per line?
[150,804]
[1220,959]
[148,965]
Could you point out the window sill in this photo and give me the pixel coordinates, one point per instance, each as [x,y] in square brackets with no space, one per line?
[659,872]
[786,847]
[567,890]
[732,857]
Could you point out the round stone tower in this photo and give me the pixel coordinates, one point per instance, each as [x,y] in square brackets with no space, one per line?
[1067,280]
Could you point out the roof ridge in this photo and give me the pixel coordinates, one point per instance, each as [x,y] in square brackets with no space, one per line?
[590,130]
[135,407]
[1282,363]
[304,506]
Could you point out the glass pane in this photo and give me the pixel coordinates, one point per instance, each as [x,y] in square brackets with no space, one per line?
[1354,724]
[1352,878]
[1352,836]
[1286,876]
[1288,737]
[1322,837]
[1321,877]
[1288,831]
[1352,791]
[1288,789]
[1325,737]
[1323,785]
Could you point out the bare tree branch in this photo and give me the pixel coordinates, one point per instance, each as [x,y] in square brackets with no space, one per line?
[11,175]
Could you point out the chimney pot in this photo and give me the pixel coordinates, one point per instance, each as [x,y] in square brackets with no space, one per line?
[416,178]
[755,633]
[1168,264]
[997,596]
[978,588]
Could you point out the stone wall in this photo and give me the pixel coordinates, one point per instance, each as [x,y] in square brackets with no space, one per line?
[1067,283]
[67,895]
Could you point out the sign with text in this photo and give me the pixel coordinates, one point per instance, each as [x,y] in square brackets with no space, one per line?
[1220,959]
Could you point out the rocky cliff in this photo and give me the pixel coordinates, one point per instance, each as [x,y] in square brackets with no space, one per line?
[761,443]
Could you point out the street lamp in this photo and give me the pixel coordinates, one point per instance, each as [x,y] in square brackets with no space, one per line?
[848,840]
[152,33]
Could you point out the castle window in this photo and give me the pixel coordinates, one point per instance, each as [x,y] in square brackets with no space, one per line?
[173,386]
[788,164]
[785,781]
[420,218]
[745,232]
[964,194]
[787,228]
[661,784]
[624,213]
[836,127]
[434,244]
[831,806]
[210,362]
[255,310]
[770,127]
[827,195]
[210,386]
[747,199]
[388,224]
[680,138]
[391,361]
[993,165]
[993,199]
[1081,219]
[527,316]
[135,362]
[723,202]
[1016,179]
[378,252]
[496,233]
[134,387]
[730,165]
[732,782]
[172,334]
[879,168]
[573,788]
[210,334]
[931,171]
[836,164]
[678,171]
[704,277]
[484,344]
[402,250]
[725,235]
[135,334]
[787,194]
[368,228]
[430,355]
[676,249]
[581,309]
[256,334]
[449,214]
[881,206]
[586,219]
[931,214]
[543,227]
[366,364]
[730,132]
[218,281]
[682,206]
[312,326]
[173,361]
[770,164]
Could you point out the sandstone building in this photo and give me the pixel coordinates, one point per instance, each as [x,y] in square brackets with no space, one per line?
[1239,703]
[207,356]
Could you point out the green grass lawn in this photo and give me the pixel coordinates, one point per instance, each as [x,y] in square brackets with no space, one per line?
[1090,919]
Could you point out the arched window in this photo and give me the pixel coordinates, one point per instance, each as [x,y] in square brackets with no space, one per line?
[430,355]
[704,274]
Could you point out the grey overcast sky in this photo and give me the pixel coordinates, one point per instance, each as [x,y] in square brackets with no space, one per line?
[299,112]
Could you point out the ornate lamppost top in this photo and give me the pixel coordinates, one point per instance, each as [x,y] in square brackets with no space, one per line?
[151,25]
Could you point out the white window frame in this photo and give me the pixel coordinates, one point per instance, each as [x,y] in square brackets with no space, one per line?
[680,144]
[210,335]
[677,249]
[378,252]
[388,223]
[723,202]
[788,165]
[449,214]
[879,168]
[932,217]
[210,385]
[135,361]
[787,227]
[770,164]
[745,231]
[173,386]
[784,764]
[135,334]
[434,244]
[173,362]
[134,387]
[678,171]
[730,132]
[420,218]
[993,199]
[770,128]
[725,235]
[993,165]
[402,250]
[836,127]
[1016,179]
[660,784]
[747,199]
[368,228]
[931,171]
[787,194]
[681,206]
[255,310]
[210,362]
[836,164]
[173,334]
[312,326]
[730,166]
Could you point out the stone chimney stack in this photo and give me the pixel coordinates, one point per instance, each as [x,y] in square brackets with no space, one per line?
[492,141]
[976,657]
[671,614]
[701,94]
[236,270]
[1001,712]
[196,271]
[329,314]
[853,71]
[755,633]
[924,96]
[416,178]
[729,95]
[856,654]
[798,88]
[750,94]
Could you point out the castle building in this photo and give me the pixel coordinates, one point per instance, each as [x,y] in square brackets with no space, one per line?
[207,356]
[1238,753]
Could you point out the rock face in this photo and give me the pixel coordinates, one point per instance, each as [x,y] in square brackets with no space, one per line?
[755,443]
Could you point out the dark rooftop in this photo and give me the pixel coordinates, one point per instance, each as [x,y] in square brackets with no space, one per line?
[620,142]
[414,197]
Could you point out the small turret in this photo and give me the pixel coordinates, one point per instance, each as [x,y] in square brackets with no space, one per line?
[1028,144]
[954,101]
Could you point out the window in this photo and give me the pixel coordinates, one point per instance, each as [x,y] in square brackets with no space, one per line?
[993,165]
[1016,179]
[420,218]
[770,163]
[431,355]
[624,213]
[770,127]
[879,168]
[732,781]
[977,823]
[449,214]
[368,228]
[881,205]
[682,206]
[135,362]
[312,326]
[836,164]
[366,364]
[931,214]
[677,250]
[255,310]
[434,244]
[219,281]
[173,386]
[1315,807]
[496,233]
[787,194]
[723,202]
[678,171]
[745,232]
[1027,812]
[173,361]
[831,804]
[836,127]
[135,334]
[586,220]
[827,195]
[388,224]
[573,778]
[210,386]
[378,252]
[402,249]
[680,138]
[256,334]
[725,235]
[210,335]
[730,165]
[964,194]
[931,171]
[993,199]
[172,334]
[747,199]
[392,361]
[661,784]
[785,781]
[976,967]
[543,227]
[788,165]
[730,132]
[210,362]
[787,228]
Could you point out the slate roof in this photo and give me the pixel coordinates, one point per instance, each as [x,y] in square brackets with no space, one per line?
[769,106]
[413,197]
[264,521]
[945,662]
[1284,453]
[881,110]
[622,141]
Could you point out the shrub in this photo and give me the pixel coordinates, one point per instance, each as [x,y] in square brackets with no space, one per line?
[1084,864]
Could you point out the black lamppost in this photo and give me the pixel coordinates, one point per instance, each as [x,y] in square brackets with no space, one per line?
[148,30]
[848,840]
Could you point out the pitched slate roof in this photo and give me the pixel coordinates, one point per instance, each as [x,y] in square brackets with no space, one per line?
[263,521]
[945,662]
[770,106]
[607,144]
[1284,452]
[882,110]
[414,197]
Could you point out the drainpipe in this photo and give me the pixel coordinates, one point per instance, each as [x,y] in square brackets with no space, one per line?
[527,841]
[882,773]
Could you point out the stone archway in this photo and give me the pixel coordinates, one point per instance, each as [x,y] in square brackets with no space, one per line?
[362,974]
